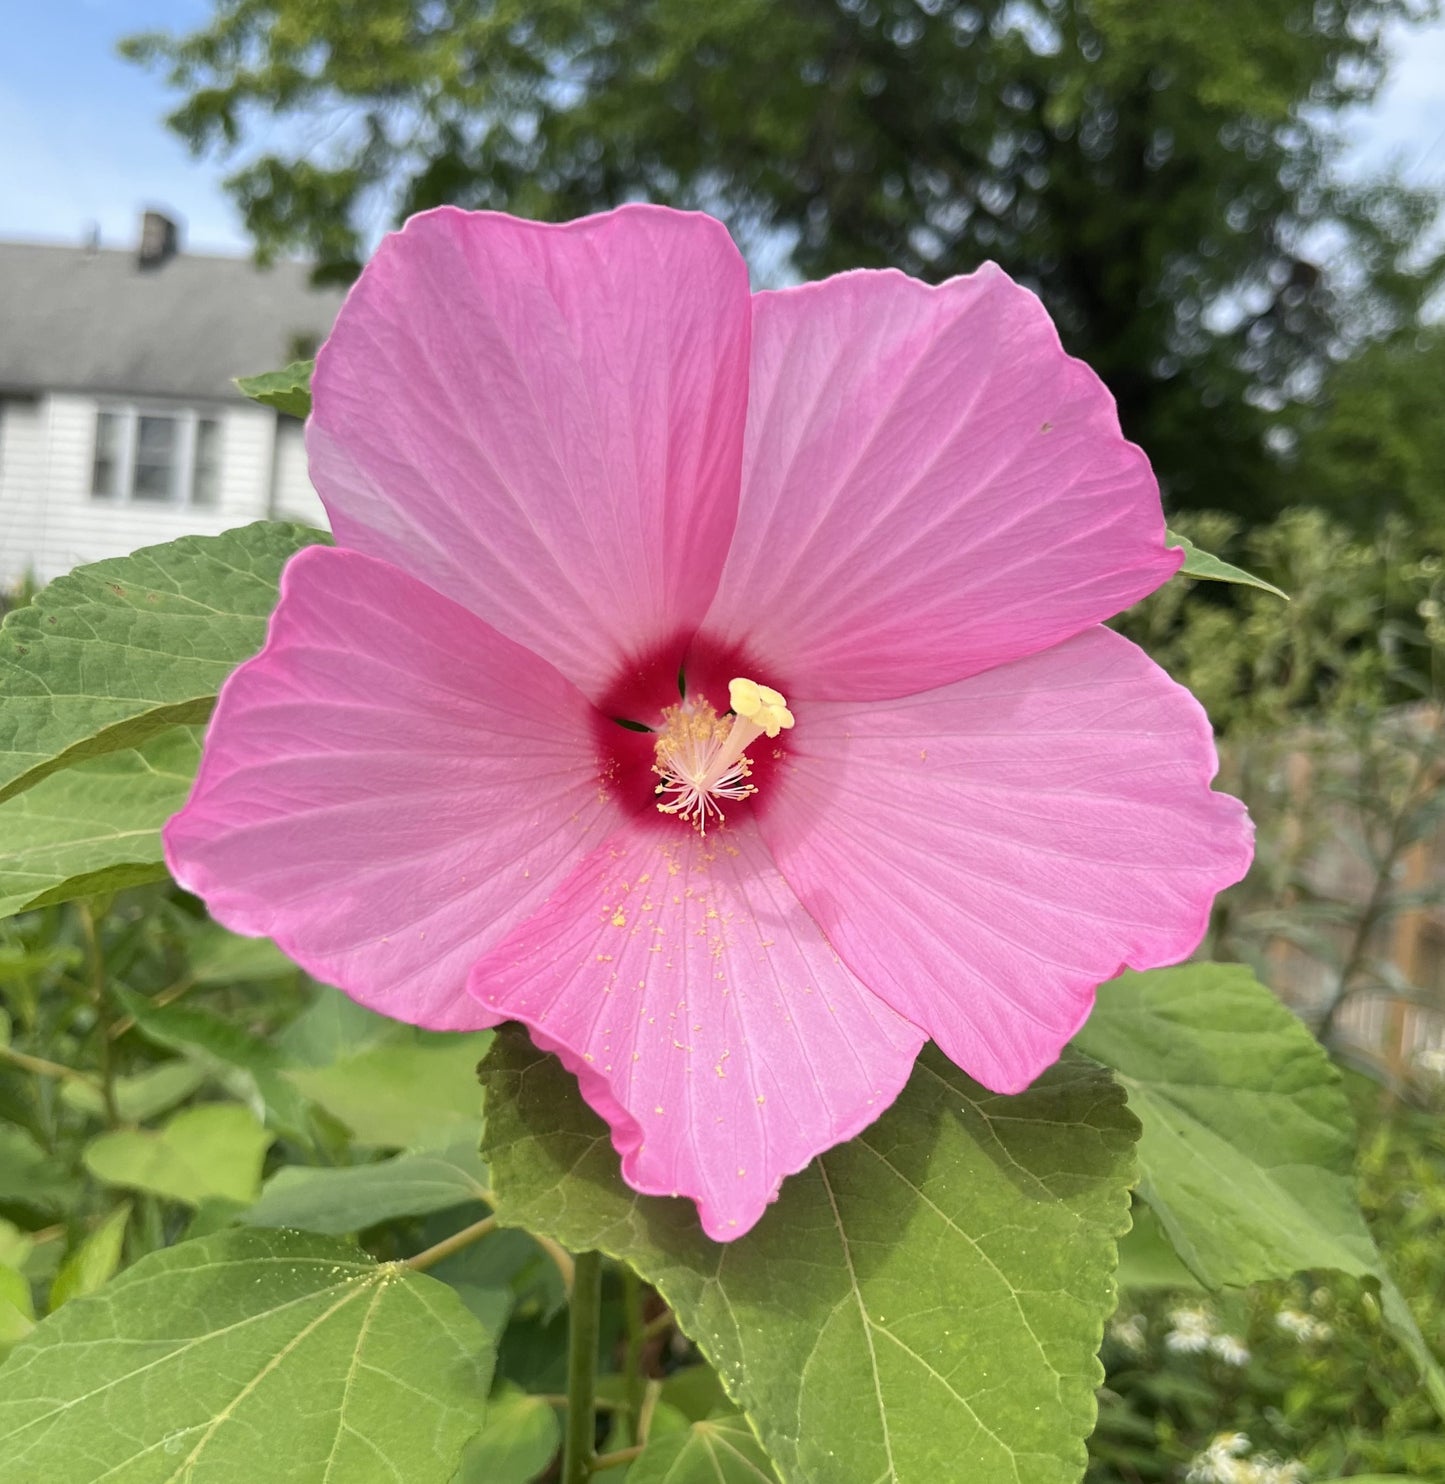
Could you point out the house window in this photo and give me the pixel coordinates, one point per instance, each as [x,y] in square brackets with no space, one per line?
[105,473]
[153,457]
[206,466]
[154,471]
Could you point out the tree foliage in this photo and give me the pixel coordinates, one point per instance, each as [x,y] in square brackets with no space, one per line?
[1165,175]
[1374,446]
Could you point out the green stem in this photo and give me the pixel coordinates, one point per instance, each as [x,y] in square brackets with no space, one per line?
[636,1332]
[167,996]
[43,1068]
[585,1315]
[96,958]
[659,1325]
[605,1461]
[561,1258]
[454,1243]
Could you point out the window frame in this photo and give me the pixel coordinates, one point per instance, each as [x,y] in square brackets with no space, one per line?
[183,470]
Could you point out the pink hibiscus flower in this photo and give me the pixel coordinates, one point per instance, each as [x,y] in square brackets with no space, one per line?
[590,495]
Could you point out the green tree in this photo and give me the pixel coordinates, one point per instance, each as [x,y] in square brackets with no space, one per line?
[1164,174]
[1374,443]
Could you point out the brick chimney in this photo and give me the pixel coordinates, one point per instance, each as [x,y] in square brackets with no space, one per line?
[159,240]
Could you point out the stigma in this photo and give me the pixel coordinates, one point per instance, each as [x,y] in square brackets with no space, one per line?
[701,757]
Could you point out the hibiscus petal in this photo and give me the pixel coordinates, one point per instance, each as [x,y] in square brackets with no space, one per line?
[930,487]
[706,1016]
[984,855]
[388,788]
[543,422]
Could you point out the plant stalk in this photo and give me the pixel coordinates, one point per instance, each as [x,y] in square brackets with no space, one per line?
[43,1068]
[95,956]
[421,1261]
[636,1338]
[585,1317]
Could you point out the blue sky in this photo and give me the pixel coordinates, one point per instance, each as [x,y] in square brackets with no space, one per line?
[83,139]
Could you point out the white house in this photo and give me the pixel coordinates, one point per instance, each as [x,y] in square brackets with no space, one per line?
[119,423]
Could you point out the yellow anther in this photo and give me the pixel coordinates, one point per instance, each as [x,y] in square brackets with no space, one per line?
[700,756]
[764,707]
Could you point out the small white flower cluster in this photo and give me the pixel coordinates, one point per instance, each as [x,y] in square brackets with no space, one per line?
[1193,1333]
[1304,1327]
[1430,611]
[1130,1332]
[1226,1461]
[1229,1350]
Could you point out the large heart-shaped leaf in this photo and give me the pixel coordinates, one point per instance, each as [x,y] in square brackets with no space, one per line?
[924,1302]
[120,650]
[248,1355]
[1247,1152]
[95,827]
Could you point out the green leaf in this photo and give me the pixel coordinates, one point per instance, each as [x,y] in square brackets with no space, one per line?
[218,957]
[140,1097]
[17,1311]
[720,1450]
[249,1067]
[924,1302]
[1205,568]
[215,1214]
[350,1200]
[95,827]
[95,1262]
[414,1089]
[1147,1258]
[1248,1145]
[28,1176]
[287,390]
[520,1438]
[248,1355]
[695,1391]
[203,1153]
[115,652]
[15,1245]
[666,1421]
[332,1028]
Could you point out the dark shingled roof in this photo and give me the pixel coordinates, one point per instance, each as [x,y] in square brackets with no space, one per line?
[93,320]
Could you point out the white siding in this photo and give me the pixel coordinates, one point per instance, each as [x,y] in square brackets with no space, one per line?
[22,485]
[295,499]
[50,522]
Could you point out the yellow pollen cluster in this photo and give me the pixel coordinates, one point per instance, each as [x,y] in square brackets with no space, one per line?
[700,755]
